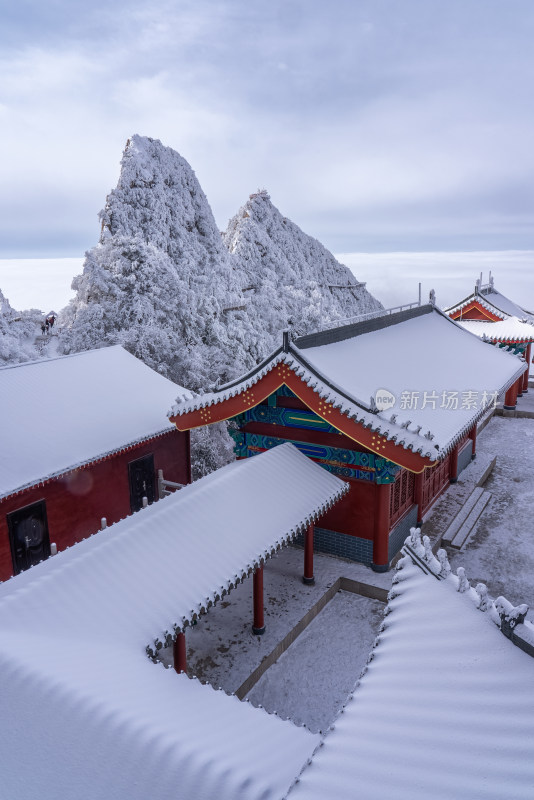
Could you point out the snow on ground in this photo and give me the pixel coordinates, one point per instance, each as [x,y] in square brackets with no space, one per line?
[312,680]
[500,551]
[222,650]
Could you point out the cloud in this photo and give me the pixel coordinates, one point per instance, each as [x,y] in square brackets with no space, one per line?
[394,277]
[370,127]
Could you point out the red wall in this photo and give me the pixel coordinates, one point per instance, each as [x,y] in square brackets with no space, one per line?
[75,503]
[354,513]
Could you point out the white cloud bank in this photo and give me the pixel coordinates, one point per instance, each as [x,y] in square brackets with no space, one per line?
[392,278]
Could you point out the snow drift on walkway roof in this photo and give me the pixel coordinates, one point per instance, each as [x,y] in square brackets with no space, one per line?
[57,414]
[84,713]
[444,711]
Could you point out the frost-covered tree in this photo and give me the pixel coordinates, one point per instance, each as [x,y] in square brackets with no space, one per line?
[17,333]
[290,279]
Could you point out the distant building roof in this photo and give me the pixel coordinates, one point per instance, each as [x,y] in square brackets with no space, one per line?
[420,356]
[445,709]
[493,301]
[58,414]
[79,693]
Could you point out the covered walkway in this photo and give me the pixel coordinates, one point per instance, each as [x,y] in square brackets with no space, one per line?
[85,713]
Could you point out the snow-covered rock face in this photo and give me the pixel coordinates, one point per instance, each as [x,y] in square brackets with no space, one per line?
[160,281]
[159,199]
[196,307]
[289,275]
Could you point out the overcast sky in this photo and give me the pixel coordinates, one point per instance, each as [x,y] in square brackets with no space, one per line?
[376,125]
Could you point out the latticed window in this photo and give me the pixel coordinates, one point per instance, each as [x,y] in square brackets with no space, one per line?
[402,492]
[435,480]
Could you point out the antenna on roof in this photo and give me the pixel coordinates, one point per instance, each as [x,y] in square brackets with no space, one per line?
[419,293]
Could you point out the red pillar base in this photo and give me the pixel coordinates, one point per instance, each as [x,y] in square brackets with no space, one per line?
[380,567]
[258,626]
[308,578]
[179,653]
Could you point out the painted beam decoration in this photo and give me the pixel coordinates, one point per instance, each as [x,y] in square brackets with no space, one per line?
[281,374]
[462,313]
[344,463]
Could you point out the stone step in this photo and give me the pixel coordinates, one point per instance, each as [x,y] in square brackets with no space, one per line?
[471,520]
[462,515]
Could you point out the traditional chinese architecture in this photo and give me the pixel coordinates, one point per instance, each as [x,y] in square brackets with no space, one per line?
[389,404]
[443,679]
[495,318]
[82,439]
[78,690]
[100,720]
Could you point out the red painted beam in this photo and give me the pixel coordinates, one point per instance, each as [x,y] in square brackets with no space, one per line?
[281,374]
[474,311]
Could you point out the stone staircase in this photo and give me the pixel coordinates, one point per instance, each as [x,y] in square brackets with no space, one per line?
[461,526]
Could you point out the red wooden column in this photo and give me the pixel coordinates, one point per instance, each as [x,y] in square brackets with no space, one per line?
[179,653]
[473,437]
[510,398]
[381,528]
[418,497]
[258,626]
[527,373]
[520,386]
[453,465]
[308,578]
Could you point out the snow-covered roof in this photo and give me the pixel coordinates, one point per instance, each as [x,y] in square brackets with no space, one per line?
[494,302]
[58,414]
[408,354]
[510,329]
[504,303]
[79,693]
[445,709]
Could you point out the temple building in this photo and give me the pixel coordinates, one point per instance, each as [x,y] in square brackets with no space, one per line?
[389,404]
[83,440]
[495,318]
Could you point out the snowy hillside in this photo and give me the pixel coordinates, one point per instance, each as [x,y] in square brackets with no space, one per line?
[290,278]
